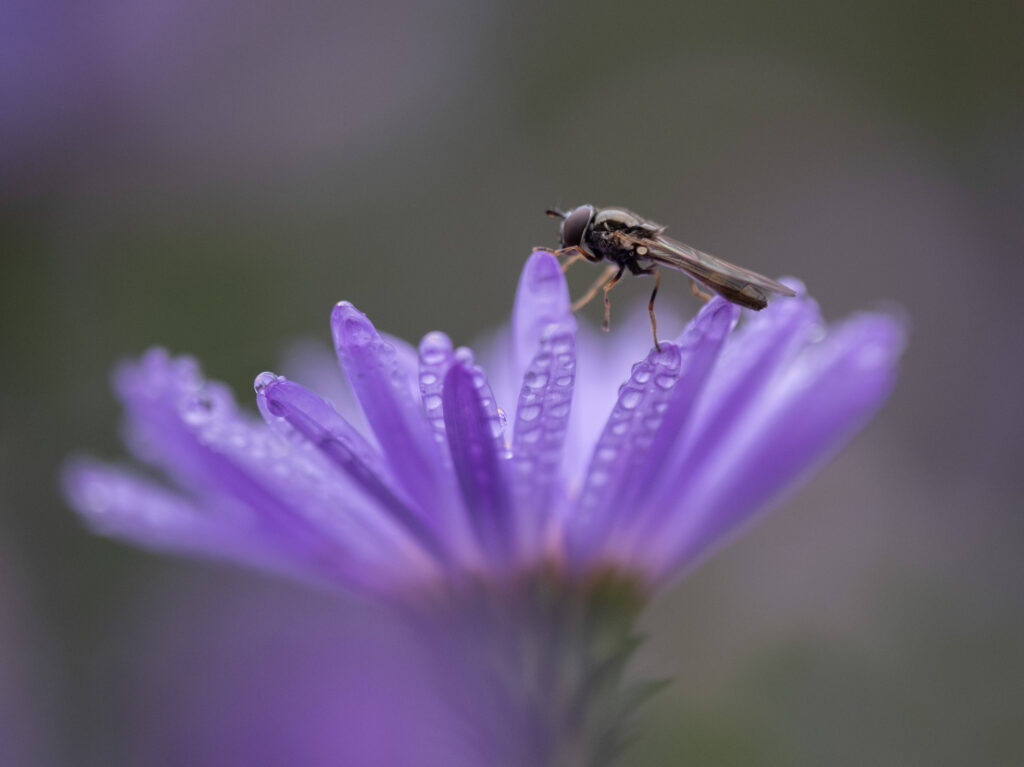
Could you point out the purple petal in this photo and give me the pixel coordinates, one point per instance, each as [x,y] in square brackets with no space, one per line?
[436,357]
[122,504]
[296,502]
[316,365]
[474,445]
[746,367]
[542,420]
[637,414]
[652,410]
[542,299]
[317,421]
[380,382]
[811,409]
[700,345]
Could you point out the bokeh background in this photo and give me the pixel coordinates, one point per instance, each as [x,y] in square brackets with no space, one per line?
[213,176]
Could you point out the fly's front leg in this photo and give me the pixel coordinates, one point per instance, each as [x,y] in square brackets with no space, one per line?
[574,254]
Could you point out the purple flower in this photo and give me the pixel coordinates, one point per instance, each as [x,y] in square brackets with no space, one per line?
[520,522]
[542,467]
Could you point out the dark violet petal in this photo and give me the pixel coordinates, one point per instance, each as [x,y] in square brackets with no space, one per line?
[475,449]
[649,417]
[542,299]
[317,421]
[379,380]
[811,409]
[700,345]
[630,428]
[542,420]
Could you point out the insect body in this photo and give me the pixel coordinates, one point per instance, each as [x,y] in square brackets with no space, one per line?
[629,242]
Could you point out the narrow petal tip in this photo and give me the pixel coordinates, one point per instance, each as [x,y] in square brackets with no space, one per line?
[543,272]
[883,337]
[263,380]
[714,321]
[434,347]
[350,327]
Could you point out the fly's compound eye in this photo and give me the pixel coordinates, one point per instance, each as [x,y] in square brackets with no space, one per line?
[575,226]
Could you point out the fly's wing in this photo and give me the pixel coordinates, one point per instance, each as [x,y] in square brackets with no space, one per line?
[739,285]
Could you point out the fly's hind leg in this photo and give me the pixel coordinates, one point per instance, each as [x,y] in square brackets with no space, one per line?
[653,270]
[607,280]
[698,291]
[608,304]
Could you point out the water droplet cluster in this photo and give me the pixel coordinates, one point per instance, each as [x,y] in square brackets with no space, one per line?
[630,430]
[542,417]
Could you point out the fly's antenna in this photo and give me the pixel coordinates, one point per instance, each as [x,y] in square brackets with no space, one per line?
[555,213]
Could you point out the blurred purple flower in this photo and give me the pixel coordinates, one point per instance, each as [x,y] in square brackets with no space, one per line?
[451,486]
[264,673]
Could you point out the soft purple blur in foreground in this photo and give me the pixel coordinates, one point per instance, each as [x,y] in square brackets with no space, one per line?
[454,482]
[264,674]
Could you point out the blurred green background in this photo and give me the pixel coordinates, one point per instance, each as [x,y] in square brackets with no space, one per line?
[213,176]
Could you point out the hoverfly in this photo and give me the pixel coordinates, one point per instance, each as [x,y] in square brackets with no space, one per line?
[628,241]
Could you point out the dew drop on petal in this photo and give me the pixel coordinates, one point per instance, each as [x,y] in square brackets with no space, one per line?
[630,398]
[263,380]
[198,409]
[536,380]
[665,381]
[530,412]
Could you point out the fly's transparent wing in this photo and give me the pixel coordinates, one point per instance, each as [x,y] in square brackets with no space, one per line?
[739,285]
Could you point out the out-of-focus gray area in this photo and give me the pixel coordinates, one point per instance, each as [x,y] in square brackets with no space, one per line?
[213,176]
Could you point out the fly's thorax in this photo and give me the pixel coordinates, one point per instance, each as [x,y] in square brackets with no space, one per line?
[619,219]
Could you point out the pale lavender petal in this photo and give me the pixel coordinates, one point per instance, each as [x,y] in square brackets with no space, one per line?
[542,420]
[122,504]
[479,466]
[811,409]
[316,420]
[542,299]
[380,382]
[191,428]
[436,357]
